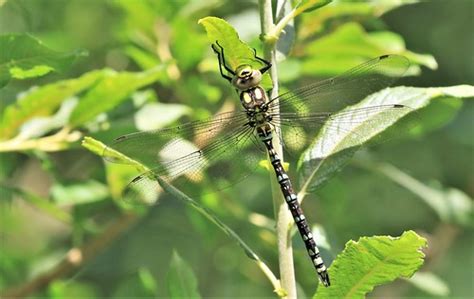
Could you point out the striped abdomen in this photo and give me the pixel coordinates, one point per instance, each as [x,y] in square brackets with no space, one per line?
[295,208]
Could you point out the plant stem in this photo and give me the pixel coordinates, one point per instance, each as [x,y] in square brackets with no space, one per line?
[283,217]
[53,143]
[203,211]
[281,24]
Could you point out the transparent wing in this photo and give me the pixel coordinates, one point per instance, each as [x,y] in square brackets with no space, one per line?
[148,147]
[304,111]
[298,130]
[224,151]
[336,93]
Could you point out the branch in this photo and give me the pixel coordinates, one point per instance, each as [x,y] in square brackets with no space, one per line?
[53,143]
[278,28]
[75,258]
[283,217]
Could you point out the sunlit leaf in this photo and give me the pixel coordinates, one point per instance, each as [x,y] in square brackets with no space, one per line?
[79,193]
[42,101]
[23,56]
[350,45]
[236,52]
[113,89]
[373,261]
[182,282]
[39,126]
[430,283]
[154,116]
[340,11]
[329,151]
[310,5]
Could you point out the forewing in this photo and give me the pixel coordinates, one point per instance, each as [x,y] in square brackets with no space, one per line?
[222,162]
[299,129]
[302,112]
[349,88]
[155,147]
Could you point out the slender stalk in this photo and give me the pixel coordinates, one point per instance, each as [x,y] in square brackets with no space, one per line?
[301,8]
[203,211]
[283,217]
[57,142]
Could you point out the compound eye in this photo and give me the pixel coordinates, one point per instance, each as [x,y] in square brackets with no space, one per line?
[246,97]
[245,72]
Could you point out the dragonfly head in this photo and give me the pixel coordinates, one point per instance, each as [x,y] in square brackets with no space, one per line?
[246,77]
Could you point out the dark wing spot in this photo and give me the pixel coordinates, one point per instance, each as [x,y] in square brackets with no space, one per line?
[383,57]
[136,179]
[120,138]
[398,106]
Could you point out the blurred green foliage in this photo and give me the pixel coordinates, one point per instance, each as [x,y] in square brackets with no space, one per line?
[149,65]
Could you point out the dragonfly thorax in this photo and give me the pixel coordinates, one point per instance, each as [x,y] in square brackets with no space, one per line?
[258,118]
[254,99]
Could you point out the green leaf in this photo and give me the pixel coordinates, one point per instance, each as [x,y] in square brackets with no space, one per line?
[329,151]
[188,46]
[142,58]
[451,205]
[439,113]
[350,45]
[71,289]
[373,261]
[42,101]
[155,116]
[23,57]
[236,52]
[309,5]
[40,126]
[182,282]
[79,193]
[140,285]
[340,11]
[43,204]
[430,283]
[113,89]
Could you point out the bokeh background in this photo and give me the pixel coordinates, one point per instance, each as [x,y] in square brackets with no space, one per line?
[56,200]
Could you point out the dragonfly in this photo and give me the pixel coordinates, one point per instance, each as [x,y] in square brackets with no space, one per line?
[231,144]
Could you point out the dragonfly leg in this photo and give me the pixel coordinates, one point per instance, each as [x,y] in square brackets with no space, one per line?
[267,66]
[220,56]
